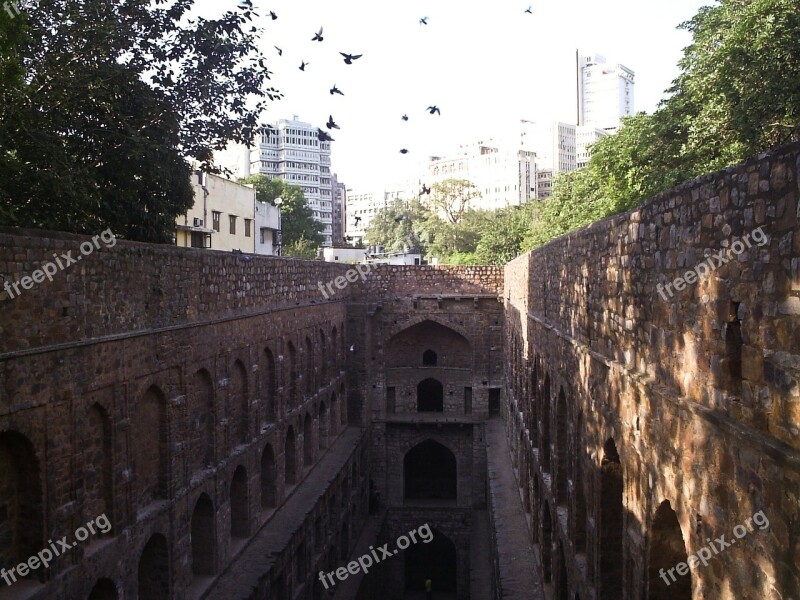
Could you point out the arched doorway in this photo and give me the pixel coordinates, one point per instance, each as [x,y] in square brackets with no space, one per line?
[21,493]
[611,487]
[667,549]
[240,522]
[203,537]
[322,417]
[430,396]
[289,458]
[153,573]
[436,560]
[269,495]
[430,472]
[104,589]
[308,441]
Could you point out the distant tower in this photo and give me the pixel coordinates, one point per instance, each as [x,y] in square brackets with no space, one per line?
[605,92]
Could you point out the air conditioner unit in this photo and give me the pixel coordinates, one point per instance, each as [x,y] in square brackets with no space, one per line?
[198,222]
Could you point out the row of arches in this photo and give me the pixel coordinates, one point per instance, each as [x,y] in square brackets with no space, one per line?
[21,482]
[583,490]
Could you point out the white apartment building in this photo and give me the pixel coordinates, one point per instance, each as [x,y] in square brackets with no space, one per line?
[504,174]
[268,229]
[222,217]
[363,205]
[585,136]
[555,147]
[293,152]
[605,92]
[339,202]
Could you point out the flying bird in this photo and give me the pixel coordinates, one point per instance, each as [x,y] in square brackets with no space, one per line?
[323,136]
[335,90]
[425,190]
[303,65]
[434,110]
[529,10]
[273,15]
[404,117]
[330,124]
[317,36]
[423,21]
[403,151]
[349,58]
[280,52]
[352,348]
[357,219]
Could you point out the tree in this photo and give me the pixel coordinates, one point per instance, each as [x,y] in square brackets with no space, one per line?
[113,96]
[451,198]
[299,230]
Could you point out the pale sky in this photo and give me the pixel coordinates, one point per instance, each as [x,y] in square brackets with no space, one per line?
[485,64]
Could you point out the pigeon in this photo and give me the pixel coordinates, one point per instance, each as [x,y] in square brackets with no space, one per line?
[317,36]
[349,58]
[352,348]
[403,151]
[330,124]
[529,10]
[273,15]
[323,136]
[434,109]
[423,21]
[425,190]
[357,219]
[303,66]
[404,117]
[335,90]
[280,52]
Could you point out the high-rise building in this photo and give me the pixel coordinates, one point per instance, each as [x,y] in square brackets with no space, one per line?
[293,152]
[504,174]
[605,92]
[339,203]
[585,136]
[554,144]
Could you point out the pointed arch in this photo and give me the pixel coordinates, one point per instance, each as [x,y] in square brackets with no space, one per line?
[22,529]
[290,457]
[667,549]
[201,421]
[269,492]
[154,569]
[203,536]
[150,447]
[240,505]
[430,472]
[98,461]
[239,404]
[611,521]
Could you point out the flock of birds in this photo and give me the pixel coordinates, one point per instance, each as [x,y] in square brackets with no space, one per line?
[349,59]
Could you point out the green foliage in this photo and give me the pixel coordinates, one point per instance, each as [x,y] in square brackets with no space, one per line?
[102,102]
[299,229]
[738,94]
[301,248]
[451,198]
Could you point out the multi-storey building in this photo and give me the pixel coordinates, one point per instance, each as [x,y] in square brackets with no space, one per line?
[554,144]
[605,92]
[585,136]
[293,152]
[339,202]
[222,217]
[505,175]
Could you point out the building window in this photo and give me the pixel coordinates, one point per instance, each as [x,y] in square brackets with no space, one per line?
[233,224]
[467,400]
[390,400]
[215,219]
[247,223]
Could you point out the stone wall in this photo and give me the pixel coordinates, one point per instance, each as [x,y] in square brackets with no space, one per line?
[188,396]
[647,418]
